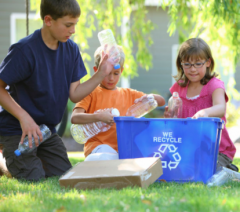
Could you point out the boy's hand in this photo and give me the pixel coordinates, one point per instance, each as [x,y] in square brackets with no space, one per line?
[140,99]
[107,63]
[106,117]
[167,113]
[30,129]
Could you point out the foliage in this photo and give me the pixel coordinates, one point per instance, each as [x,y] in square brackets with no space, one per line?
[217,22]
[103,14]
[47,195]
[232,116]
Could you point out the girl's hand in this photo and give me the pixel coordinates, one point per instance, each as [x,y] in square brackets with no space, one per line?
[167,114]
[30,129]
[200,113]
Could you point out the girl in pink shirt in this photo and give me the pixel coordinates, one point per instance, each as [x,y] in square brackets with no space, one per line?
[203,95]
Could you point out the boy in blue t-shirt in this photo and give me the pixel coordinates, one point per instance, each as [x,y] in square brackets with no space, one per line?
[43,70]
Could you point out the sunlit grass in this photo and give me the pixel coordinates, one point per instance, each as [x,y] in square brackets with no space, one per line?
[47,195]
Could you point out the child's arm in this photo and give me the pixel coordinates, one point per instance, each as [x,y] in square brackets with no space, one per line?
[160,100]
[78,91]
[219,106]
[79,116]
[28,125]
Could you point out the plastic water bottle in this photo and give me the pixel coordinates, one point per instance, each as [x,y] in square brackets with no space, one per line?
[82,132]
[109,45]
[175,106]
[219,178]
[24,147]
[143,107]
[223,175]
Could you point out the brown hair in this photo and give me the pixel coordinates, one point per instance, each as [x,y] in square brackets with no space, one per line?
[98,55]
[59,8]
[194,48]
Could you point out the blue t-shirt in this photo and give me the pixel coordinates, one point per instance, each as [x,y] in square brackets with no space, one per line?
[39,79]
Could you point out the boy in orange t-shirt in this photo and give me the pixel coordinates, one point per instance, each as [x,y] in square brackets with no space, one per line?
[104,146]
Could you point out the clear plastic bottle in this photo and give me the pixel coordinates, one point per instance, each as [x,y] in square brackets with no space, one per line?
[219,178]
[223,175]
[108,41]
[175,106]
[82,132]
[143,107]
[24,147]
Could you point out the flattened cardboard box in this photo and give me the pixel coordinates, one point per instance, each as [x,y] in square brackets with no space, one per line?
[113,173]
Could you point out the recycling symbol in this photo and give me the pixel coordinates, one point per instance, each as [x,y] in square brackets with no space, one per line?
[175,155]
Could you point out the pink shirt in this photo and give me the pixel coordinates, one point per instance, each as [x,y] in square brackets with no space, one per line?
[191,106]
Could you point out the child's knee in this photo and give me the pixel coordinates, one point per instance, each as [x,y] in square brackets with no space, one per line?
[21,170]
[104,148]
[102,156]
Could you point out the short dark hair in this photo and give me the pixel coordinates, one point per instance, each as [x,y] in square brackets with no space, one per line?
[194,48]
[59,8]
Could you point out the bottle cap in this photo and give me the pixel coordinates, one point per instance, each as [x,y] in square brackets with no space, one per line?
[17,152]
[117,66]
[150,96]
[115,112]
[175,95]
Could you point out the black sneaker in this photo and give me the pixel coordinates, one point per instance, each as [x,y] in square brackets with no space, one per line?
[232,167]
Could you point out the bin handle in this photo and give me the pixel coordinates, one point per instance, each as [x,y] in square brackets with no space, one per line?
[221,124]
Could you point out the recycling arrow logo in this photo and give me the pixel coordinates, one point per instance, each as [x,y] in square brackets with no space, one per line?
[172,150]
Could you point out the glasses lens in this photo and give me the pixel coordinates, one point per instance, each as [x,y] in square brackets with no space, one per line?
[198,65]
[186,65]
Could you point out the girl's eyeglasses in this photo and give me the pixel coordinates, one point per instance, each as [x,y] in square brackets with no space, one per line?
[196,65]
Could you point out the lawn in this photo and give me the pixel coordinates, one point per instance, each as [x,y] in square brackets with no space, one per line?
[47,195]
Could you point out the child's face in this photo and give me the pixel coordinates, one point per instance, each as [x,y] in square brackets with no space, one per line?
[62,28]
[197,71]
[111,80]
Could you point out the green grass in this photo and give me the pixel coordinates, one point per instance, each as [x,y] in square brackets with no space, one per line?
[47,195]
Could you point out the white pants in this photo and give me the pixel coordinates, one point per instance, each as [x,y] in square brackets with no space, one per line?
[102,152]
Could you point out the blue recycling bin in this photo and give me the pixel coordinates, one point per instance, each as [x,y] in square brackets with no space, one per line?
[188,148]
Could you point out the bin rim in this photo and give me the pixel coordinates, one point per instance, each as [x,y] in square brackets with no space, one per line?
[131,118]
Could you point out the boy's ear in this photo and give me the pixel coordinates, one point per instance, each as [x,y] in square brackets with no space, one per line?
[122,69]
[48,20]
[95,68]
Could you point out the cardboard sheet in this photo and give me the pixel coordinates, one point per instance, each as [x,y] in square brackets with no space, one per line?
[113,173]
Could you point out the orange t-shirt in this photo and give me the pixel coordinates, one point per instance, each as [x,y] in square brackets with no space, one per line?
[101,98]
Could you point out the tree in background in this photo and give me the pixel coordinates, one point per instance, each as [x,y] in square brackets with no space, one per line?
[115,15]
[218,23]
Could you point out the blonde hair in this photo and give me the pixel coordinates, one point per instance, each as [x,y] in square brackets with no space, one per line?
[194,48]
[98,55]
